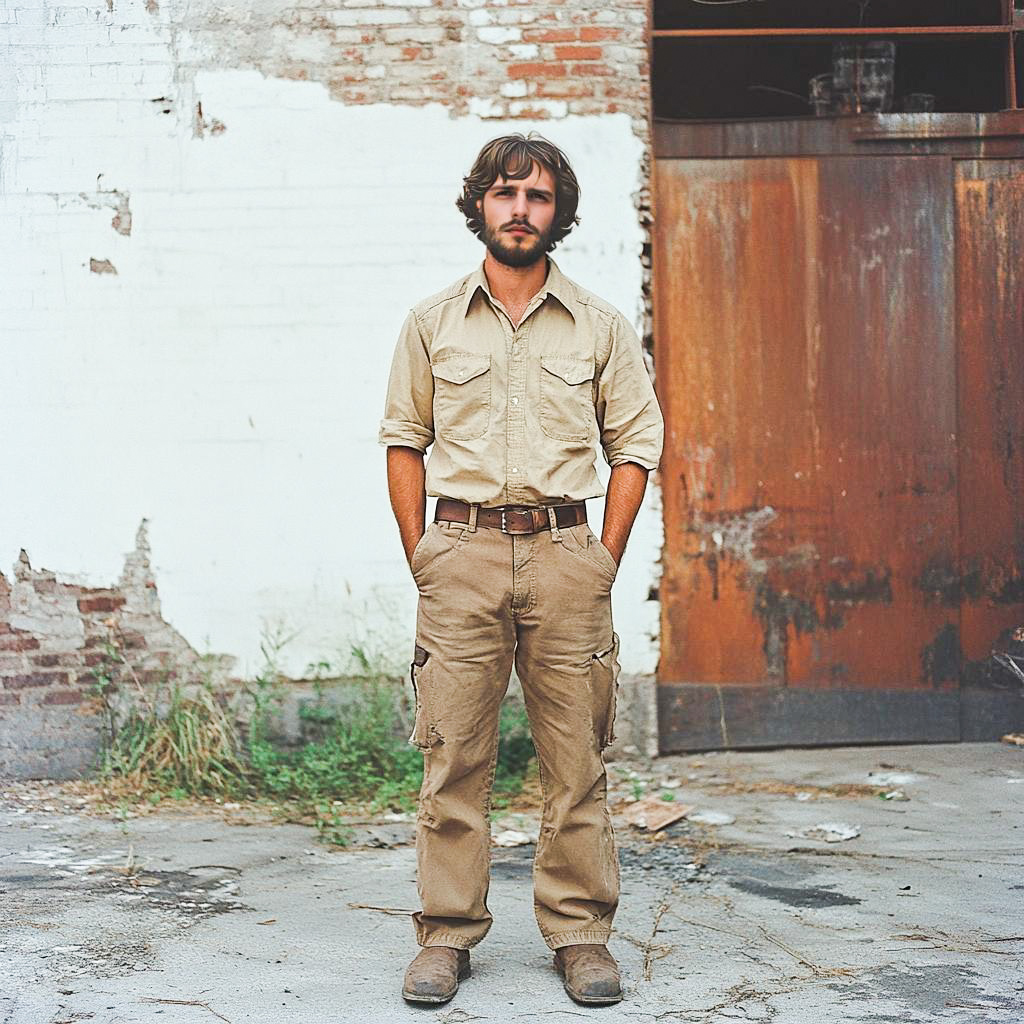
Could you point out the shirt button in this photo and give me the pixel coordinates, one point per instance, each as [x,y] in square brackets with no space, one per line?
[515,401]
[514,470]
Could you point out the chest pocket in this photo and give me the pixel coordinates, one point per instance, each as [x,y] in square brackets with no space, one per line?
[566,397]
[462,396]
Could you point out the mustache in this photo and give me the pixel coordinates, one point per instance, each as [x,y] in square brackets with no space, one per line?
[519,224]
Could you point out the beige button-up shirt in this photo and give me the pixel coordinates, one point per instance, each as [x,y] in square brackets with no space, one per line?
[514,413]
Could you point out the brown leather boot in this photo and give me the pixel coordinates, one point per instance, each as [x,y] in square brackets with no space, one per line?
[434,976]
[590,972]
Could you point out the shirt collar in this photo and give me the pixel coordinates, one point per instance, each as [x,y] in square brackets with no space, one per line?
[557,285]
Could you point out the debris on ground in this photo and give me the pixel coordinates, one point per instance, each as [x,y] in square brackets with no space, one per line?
[654,813]
[888,780]
[1014,738]
[827,831]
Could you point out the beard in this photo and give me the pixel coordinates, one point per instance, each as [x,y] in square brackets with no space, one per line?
[525,254]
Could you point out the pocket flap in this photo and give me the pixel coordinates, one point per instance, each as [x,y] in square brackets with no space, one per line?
[461,368]
[571,370]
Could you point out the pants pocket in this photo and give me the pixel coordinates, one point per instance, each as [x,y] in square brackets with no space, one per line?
[424,731]
[604,686]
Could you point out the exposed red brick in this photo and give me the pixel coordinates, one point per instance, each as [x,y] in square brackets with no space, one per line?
[94,658]
[20,682]
[411,52]
[46,660]
[536,69]
[6,697]
[100,603]
[578,53]
[534,113]
[592,70]
[156,676]
[549,35]
[598,33]
[563,90]
[18,642]
[64,697]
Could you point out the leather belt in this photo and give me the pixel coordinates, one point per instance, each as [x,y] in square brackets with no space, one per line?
[515,520]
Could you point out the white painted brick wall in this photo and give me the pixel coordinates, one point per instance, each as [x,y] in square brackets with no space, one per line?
[227,382]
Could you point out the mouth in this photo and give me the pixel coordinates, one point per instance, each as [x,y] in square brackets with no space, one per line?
[519,230]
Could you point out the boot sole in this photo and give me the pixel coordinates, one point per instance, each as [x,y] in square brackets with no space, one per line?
[411,997]
[592,1000]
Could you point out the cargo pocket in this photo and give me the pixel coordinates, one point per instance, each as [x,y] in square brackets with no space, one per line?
[604,688]
[567,397]
[462,396]
[424,731]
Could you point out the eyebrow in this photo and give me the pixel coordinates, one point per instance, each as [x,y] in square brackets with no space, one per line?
[508,184]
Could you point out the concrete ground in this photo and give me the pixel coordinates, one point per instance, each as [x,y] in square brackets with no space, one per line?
[183,916]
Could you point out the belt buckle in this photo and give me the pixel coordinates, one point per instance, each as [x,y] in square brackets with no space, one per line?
[507,511]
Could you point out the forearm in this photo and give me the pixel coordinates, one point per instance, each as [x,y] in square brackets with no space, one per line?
[622,502]
[407,490]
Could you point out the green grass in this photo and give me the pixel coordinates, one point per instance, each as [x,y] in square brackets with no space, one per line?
[178,744]
[360,759]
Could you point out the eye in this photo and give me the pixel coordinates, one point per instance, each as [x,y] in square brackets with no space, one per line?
[540,197]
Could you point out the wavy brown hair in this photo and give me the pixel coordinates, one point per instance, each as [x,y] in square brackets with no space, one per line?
[512,157]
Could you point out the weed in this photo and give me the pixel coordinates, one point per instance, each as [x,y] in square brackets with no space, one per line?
[191,747]
[189,744]
[358,759]
[331,827]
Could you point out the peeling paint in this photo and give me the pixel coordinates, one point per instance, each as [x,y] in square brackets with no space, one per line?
[112,199]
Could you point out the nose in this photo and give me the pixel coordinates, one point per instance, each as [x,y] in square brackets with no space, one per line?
[520,207]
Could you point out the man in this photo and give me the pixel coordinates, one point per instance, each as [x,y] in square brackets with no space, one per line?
[513,373]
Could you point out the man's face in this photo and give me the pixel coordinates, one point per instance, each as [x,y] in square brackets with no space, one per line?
[518,215]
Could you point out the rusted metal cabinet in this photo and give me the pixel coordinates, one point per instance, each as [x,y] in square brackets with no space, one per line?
[839,343]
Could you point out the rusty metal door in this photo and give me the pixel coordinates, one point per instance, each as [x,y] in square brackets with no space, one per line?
[986,583]
[807,358]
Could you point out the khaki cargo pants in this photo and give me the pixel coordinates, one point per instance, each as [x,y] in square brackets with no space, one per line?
[542,600]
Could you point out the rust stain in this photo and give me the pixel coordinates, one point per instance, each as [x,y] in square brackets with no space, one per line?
[102,266]
[807,370]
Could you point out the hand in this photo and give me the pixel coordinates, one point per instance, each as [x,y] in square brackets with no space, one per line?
[410,549]
[616,552]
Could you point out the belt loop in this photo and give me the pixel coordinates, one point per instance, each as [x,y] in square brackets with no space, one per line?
[556,534]
[473,510]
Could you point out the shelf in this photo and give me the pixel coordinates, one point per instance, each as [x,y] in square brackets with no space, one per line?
[826,14]
[947,31]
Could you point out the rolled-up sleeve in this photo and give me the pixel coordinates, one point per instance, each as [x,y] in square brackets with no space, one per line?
[409,407]
[628,414]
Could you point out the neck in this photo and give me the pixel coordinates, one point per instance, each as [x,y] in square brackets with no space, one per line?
[514,286]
